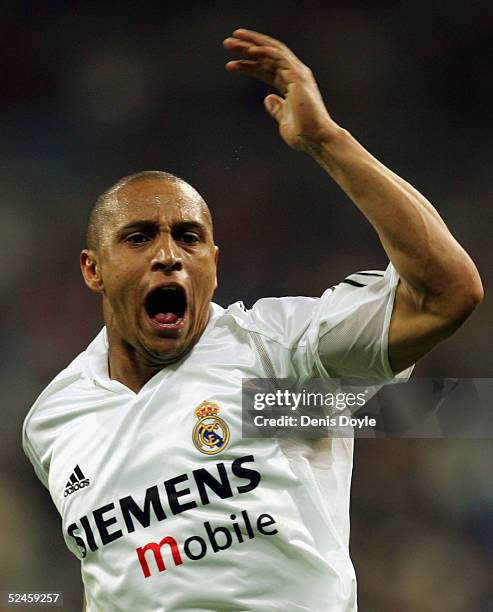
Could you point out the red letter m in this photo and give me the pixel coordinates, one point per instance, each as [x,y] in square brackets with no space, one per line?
[156,549]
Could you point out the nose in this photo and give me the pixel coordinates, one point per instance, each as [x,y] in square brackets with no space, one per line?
[166,256]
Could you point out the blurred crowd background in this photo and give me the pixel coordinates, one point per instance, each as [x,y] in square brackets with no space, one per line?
[92,91]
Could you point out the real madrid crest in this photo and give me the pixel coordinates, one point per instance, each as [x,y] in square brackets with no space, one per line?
[211,433]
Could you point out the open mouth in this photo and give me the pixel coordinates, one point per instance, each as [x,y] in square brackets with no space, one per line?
[166,306]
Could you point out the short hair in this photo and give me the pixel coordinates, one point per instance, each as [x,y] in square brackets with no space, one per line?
[100,212]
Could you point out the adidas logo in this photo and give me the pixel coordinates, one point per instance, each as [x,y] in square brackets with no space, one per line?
[76,481]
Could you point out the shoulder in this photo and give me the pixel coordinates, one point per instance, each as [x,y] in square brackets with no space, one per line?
[290,321]
[282,320]
[56,393]
[64,379]
[364,278]
[38,435]
[360,291]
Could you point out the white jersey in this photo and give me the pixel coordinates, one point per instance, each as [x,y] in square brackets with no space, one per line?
[163,522]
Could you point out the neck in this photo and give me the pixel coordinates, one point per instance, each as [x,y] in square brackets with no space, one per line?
[133,368]
[127,367]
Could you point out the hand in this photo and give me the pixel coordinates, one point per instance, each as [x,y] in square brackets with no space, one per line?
[304,122]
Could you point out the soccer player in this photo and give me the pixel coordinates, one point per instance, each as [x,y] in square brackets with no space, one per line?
[139,439]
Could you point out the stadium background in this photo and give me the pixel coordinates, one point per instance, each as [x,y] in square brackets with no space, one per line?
[93,91]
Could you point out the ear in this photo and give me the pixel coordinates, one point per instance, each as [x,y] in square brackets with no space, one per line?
[216,259]
[91,271]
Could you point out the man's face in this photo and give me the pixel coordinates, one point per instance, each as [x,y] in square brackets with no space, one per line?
[156,265]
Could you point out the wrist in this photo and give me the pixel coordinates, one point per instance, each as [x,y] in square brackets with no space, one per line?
[329,136]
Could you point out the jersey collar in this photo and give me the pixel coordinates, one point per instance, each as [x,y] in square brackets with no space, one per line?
[96,354]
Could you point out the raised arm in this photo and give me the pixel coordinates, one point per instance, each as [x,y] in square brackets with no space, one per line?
[440,285]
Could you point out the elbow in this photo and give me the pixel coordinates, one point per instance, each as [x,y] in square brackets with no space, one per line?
[451,289]
[466,297]
[476,292]
[473,289]
[455,303]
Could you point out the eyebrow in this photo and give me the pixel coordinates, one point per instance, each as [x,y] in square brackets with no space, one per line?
[151,226]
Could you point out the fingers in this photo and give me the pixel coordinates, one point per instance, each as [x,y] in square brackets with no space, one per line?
[267,59]
[253,69]
[252,50]
[258,39]
[244,66]
[264,62]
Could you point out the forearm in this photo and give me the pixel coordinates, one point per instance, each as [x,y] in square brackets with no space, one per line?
[415,238]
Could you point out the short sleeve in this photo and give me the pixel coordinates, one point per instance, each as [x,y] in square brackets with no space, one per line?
[350,331]
[342,334]
[33,457]
[37,434]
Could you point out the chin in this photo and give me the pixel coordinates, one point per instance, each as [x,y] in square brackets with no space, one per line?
[167,351]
